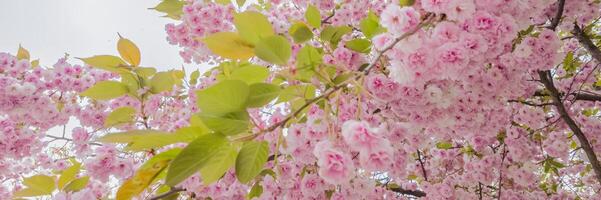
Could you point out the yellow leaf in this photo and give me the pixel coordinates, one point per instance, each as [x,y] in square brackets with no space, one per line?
[35,63]
[68,175]
[77,184]
[37,185]
[119,116]
[140,181]
[229,45]
[128,51]
[22,53]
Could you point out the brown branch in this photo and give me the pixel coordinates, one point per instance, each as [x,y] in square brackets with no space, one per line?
[547,80]
[587,43]
[557,18]
[419,158]
[529,103]
[416,193]
[166,194]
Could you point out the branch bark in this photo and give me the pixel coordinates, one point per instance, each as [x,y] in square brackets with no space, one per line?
[557,18]
[547,80]
[586,42]
[416,193]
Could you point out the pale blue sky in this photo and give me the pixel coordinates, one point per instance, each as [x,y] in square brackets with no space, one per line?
[50,28]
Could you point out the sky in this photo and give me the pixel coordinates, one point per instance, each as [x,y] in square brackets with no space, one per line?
[82,28]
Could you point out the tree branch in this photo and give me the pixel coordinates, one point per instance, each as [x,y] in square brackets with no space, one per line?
[166,194]
[557,18]
[587,43]
[419,158]
[416,193]
[547,80]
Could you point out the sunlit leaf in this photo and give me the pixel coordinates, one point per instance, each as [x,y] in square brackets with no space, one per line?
[300,32]
[139,140]
[224,97]
[172,8]
[227,124]
[218,164]
[164,81]
[128,51]
[252,26]
[261,94]
[359,45]
[22,53]
[255,191]
[120,115]
[194,157]
[37,185]
[105,90]
[229,45]
[250,74]
[77,184]
[68,175]
[313,17]
[274,49]
[140,181]
[251,159]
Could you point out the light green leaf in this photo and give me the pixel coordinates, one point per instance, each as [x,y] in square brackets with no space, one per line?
[105,90]
[370,25]
[68,174]
[120,115]
[172,8]
[255,191]
[222,98]
[37,185]
[145,71]
[227,124]
[139,140]
[334,34]
[313,17]
[274,49]
[250,74]
[261,94]
[194,157]
[164,81]
[77,184]
[406,2]
[252,26]
[300,32]
[218,164]
[194,77]
[106,62]
[251,159]
[308,57]
[240,3]
[229,45]
[444,145]
[359,45]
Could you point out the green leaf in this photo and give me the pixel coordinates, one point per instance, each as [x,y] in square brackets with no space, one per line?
[229,45]
[261,94]
[224,97]
[77,184]
[313,17]
[274,49]
[240,3]
[251,159]
[255,191]
[120,115]
[218,164]
[145,71]
[227,124]
[139,140]
[444,145]
[370,25]
[194,77]
[164,81]
[37,185]
[308,57]
[403,3]
[106,62]
[250,74]
[172,8]
[105,90]
[194,157]
[359,45]
[342,78]
[68,174]
[334,34]
[252,26]
[300,32]
[140,181]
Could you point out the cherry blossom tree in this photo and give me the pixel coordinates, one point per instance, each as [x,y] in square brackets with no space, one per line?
[319,99]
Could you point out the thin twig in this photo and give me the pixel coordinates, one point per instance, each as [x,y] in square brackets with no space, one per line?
[557,18]
[419,158]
